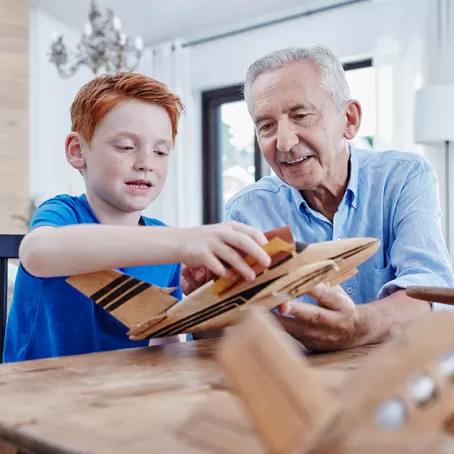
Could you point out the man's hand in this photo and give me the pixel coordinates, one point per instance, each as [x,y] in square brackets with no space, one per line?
[333,324]
[193,278]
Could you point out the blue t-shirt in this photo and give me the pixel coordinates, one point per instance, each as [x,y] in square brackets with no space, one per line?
[50,318]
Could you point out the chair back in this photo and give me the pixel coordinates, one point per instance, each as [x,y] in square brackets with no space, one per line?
[9,249]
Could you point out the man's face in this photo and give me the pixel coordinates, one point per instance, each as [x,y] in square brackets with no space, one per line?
[300,131]
[127,162]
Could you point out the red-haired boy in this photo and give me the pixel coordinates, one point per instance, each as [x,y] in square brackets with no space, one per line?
[123,130]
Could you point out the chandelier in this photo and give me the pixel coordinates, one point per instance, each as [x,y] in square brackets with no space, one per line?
[103,47]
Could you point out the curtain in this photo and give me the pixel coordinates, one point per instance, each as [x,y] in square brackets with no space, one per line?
[179,204]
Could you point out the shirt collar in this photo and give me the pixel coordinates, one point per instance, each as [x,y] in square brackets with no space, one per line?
[351,193]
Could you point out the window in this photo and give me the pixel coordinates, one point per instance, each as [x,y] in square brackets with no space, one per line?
[231,157]
[361,80]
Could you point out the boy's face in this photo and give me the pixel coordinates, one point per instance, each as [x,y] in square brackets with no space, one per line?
[127,162]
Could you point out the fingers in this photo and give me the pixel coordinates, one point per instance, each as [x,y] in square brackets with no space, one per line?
[187,281]
[307,313]
[235,260]
[222,248]
[250,231]
[193,278]
[333,298]
[247,245]
[187,287]
[299,329]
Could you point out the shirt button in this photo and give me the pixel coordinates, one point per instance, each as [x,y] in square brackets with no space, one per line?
[349,290]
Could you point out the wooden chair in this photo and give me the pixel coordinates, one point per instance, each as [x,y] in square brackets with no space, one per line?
[9,249]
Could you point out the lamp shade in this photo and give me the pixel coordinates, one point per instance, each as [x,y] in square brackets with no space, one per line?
[434,114]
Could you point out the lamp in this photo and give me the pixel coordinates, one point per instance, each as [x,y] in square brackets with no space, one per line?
[103,46]
[434,125]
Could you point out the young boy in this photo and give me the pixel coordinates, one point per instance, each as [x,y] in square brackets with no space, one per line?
[123,130]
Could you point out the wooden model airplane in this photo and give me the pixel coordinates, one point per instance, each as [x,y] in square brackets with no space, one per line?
[399,401]
[149,311]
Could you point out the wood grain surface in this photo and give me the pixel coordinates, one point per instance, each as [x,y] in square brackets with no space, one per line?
[123,401]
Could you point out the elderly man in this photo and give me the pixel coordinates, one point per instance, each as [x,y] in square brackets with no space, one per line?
[326,189]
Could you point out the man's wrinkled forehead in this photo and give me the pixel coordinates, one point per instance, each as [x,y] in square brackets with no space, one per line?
[282,89]
[283,100]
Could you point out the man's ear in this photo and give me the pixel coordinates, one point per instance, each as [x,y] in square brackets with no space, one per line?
[353,114]
[74,145]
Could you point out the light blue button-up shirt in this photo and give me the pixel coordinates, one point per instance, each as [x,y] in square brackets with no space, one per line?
[391,195]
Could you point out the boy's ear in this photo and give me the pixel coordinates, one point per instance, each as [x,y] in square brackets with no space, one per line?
[74,145]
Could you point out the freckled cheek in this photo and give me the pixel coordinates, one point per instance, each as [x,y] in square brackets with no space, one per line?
[115,168]
[161,168]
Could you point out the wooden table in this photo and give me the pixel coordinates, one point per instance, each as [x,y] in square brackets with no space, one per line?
[125,401]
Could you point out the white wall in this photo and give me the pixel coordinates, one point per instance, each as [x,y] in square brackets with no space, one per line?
[350,31]
[50,99]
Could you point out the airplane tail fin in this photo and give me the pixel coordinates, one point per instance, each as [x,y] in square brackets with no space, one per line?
[282,394]
[129,300]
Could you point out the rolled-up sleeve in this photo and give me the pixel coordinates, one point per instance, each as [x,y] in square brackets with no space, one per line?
[419,254]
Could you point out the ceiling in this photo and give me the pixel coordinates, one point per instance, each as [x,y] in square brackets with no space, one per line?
[157,20]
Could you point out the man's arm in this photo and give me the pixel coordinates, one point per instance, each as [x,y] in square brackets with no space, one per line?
[418,253]
[379,318]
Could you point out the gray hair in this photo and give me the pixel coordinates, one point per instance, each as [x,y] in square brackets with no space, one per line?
[328,65]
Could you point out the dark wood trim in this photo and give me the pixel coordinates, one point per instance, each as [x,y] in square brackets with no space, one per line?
[365,63]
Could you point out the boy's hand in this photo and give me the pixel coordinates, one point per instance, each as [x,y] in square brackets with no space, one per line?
[208,250]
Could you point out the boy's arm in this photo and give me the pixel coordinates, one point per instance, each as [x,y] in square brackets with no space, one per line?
[54,248]
[76,249]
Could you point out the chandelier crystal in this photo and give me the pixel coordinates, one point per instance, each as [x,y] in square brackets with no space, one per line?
[103,47]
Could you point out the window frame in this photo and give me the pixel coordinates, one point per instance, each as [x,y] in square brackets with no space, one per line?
[211,160]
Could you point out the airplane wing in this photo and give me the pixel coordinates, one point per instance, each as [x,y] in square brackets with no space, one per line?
[443,295]
[279,388]
[281,394]
[129,300]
